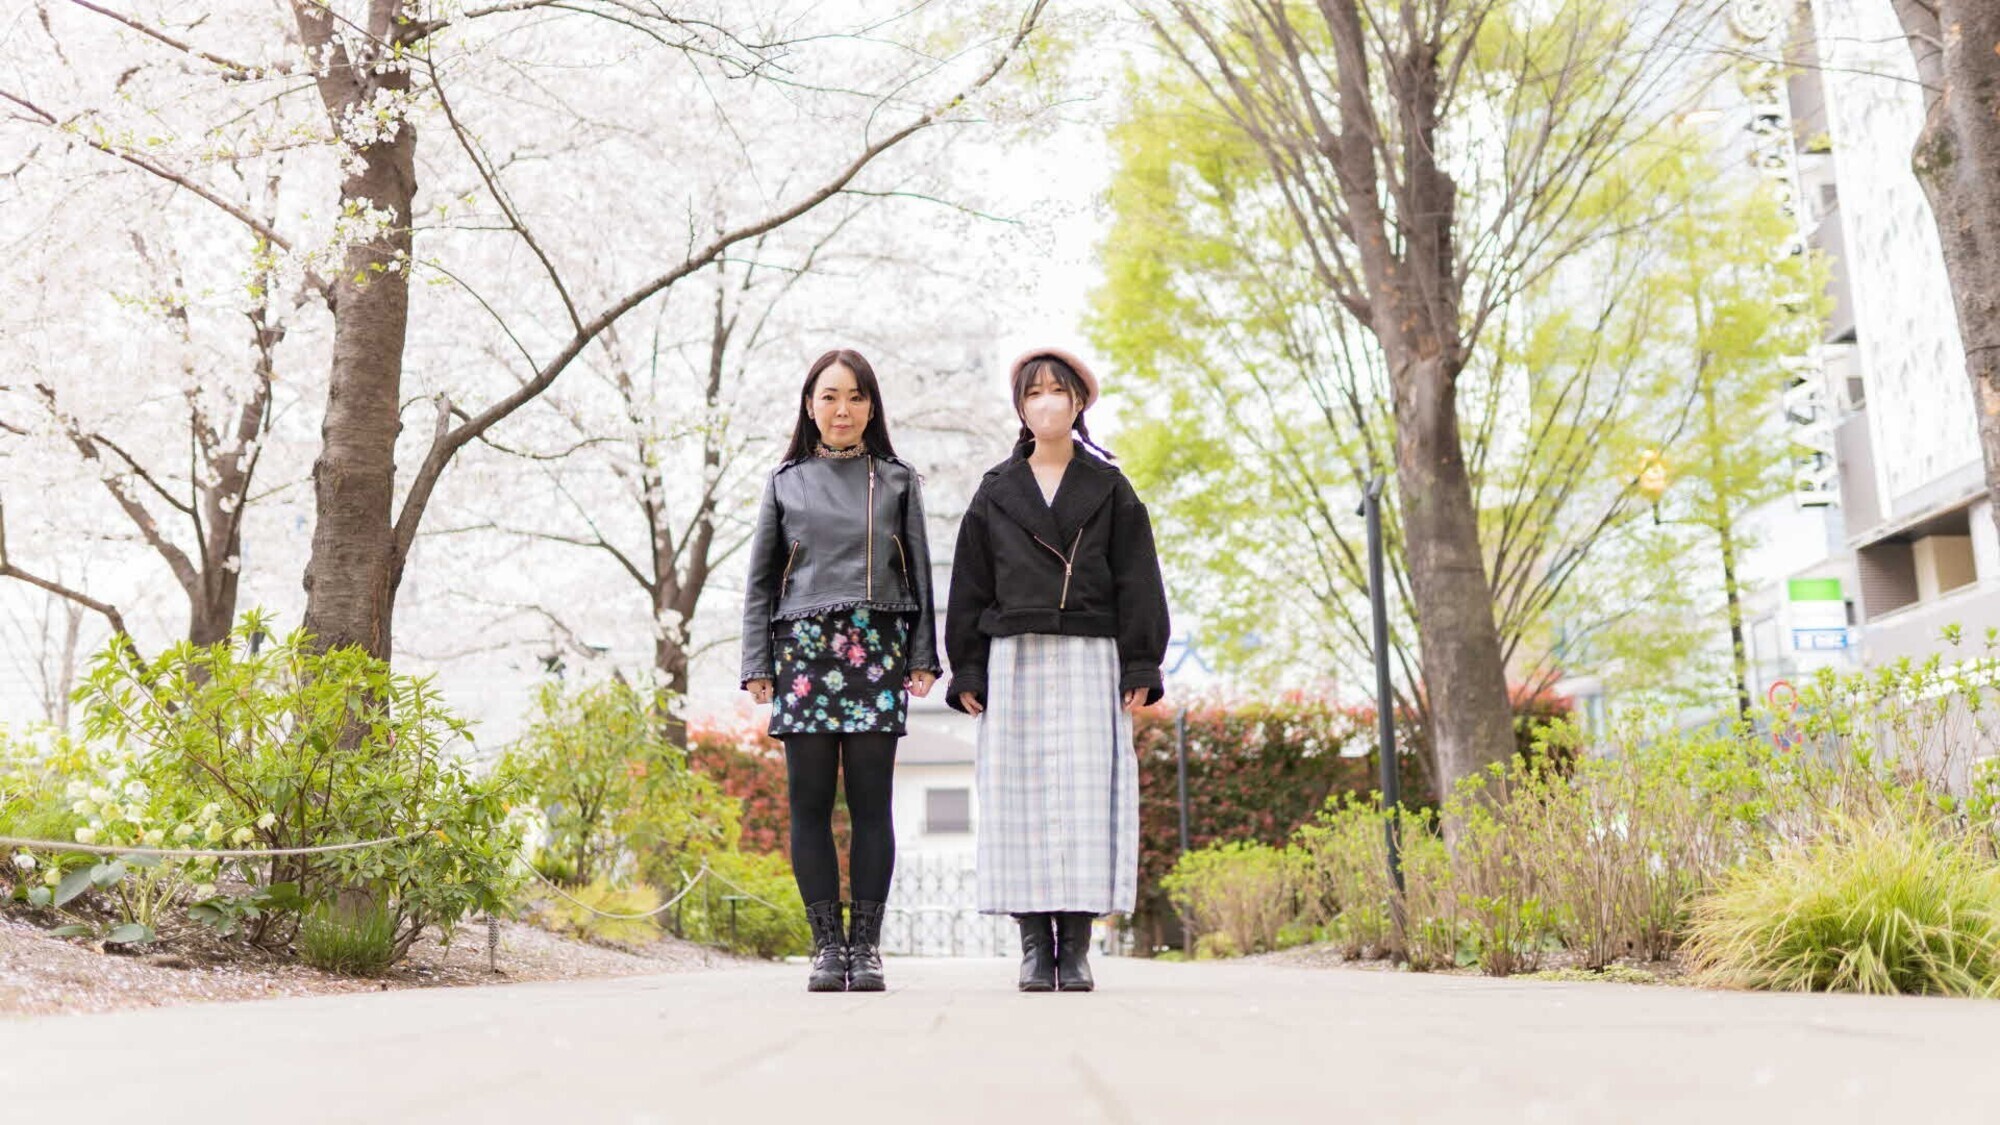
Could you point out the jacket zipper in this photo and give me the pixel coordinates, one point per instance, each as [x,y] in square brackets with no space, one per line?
[898,540]
[871,528]
[786,582]
[1069,564]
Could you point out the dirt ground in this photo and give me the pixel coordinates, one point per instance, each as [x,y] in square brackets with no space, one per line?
[1558,965]
[40,974]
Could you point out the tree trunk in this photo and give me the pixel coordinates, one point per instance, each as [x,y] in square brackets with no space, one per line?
[354,568]
[670,659]
[1956,44]
[211,617]
[1739,654]
[1465,680]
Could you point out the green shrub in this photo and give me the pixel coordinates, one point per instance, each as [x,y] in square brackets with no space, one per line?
[1599,855]
[1615,854]
[357,940]
[1434,933]
[1346,876]
[773,927]
[290,747]
[1244,892]
[1215,946]
[618,798]
[37,771]
[1897,904]
[586,917]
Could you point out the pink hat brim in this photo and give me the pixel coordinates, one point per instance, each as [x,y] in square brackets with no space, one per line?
[1081,368]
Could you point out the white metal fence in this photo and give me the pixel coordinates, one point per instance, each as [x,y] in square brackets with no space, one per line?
[933,911]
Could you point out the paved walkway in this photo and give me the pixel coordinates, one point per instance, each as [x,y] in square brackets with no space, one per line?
[953,1042]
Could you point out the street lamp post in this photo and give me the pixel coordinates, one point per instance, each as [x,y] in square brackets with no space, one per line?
[1385,716]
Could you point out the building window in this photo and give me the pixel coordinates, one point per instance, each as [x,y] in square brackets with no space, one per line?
[947,810]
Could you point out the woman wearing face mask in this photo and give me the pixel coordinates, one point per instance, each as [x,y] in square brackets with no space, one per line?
[837,623]
[1056,627]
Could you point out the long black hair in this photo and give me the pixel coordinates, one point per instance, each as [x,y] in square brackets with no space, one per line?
[805,431]
[1072,385]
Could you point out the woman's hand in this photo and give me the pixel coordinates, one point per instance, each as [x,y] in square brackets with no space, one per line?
[760,690]
[1135,700]
[920,683]
[971,703]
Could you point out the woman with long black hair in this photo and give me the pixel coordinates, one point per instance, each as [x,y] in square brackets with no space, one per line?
[1056,628]
[838,624]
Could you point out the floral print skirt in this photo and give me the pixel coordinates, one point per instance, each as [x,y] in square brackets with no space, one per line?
[840,672]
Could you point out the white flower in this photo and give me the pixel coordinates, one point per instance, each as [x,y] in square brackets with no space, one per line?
[99,794]
[24,861]
[267,820]
[78,789]
[86,835]
[211,809]
[154,838]
[183,832]
[83,808]
[134,790]
[241,835]
[52,876]
[214,833]
[112,811]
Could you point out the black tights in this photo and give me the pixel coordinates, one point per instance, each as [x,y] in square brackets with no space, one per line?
[813,765]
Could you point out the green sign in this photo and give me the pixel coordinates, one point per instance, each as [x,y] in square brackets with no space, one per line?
[1813,590]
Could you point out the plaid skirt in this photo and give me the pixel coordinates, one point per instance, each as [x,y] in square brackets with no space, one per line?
[1057,780]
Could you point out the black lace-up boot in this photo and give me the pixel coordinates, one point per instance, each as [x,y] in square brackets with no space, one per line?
[829,957]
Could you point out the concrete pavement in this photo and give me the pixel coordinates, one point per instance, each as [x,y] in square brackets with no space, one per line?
[953,1042]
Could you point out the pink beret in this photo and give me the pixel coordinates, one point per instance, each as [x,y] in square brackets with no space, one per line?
[1082,370]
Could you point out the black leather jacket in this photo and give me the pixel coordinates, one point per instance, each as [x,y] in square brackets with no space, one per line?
[836,533]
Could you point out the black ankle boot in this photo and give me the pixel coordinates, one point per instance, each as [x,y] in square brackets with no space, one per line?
[864,959]
[1073,952]
[1038,952]
[829,958]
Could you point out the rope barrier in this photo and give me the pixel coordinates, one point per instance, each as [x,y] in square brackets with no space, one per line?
[724,880]
[326,849]
[492,932]
[204,853]
[661,909]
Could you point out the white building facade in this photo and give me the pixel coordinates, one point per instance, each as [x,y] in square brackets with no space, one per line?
[1888,536]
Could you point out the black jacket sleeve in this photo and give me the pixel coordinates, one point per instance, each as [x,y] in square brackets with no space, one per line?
[1143,626]
[971,596]
[923,631]
[760,587]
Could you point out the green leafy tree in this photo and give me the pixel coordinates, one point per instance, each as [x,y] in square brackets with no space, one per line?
[1735,318]
[1263,412]
[1431,165]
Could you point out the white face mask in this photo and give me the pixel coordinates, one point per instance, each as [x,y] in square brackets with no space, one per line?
[1048,414]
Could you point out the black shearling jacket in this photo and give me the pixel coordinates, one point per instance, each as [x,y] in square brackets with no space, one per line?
[838,533]
[1084,567]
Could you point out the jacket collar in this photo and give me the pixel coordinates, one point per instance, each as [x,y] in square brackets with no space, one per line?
[1086,484]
